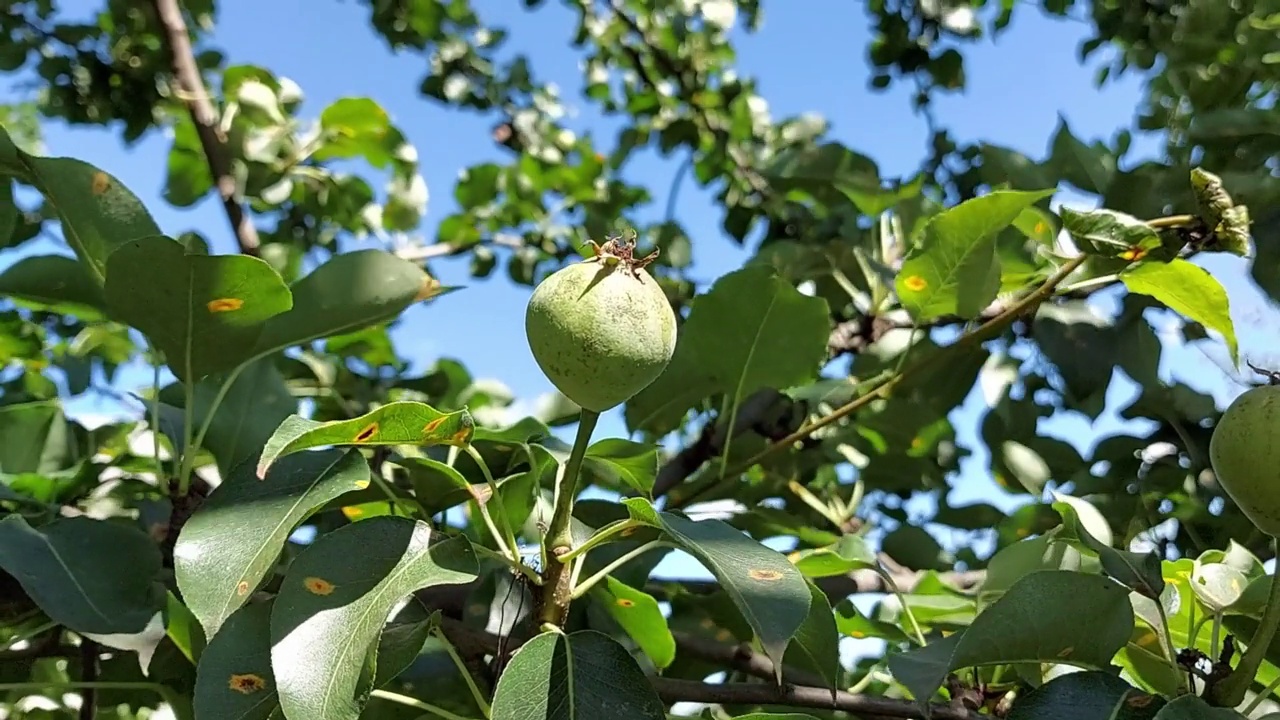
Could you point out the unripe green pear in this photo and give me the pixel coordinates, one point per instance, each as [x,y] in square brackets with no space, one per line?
[601,330]
[1245,453]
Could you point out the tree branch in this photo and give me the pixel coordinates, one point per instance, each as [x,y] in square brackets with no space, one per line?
[471,641]
[195,97]
[672,690]
[739,657]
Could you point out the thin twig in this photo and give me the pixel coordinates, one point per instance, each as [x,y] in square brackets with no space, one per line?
[193,94]
[89,676]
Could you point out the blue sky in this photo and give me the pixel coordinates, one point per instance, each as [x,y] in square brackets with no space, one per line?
[807,59]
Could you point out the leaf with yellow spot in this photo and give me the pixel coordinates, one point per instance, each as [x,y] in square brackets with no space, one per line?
[182,299]
[955,269]
[766,588]
[397,423]
[233,677]
[320,642]
[97,212]
[349,292]
[638,614]
[234,540]
[1045,608]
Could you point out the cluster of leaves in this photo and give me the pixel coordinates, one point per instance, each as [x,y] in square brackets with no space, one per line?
[402,604]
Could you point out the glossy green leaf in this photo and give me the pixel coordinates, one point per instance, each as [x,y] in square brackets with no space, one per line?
[397,423]
[55,283]
[953,270]
[247,416]
[581,676]
[350,291]
[638,614]
[752,329]
[402,641]
[772,595]
[98,213]
[1045,606]
[234,679]
[1189,290]
[1140,572]
[330,611]
[775,716]
[816,645]
[206,312]
[234,540]
[1088,695]
[1110,233]
[92,576]
[622,464]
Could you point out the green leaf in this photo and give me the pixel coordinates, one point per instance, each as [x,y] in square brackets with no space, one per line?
[249,413]
[1191,707]
[9,212]
[98,213]
[54,283]
[581,676]
[356,127]
[850,621]
[1140,572]
[1109,233]
[1187,289]
[397,423]
[234,678]
[205,312]
[92,576]
[349,292]
[954,270]
[1089,168]
[1089,695]
[36,437]
[915,548]
[833,167]
[617,462]
[330,611]
[775,716]
[638,614]
[850,552]
[234,540]
[816,645]
[1046,607]
[402,641]
[661,407]
[767,589]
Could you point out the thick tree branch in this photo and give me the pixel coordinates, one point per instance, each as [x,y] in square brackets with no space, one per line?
[738,657]
[672,690]
[471,642]
[196,98]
